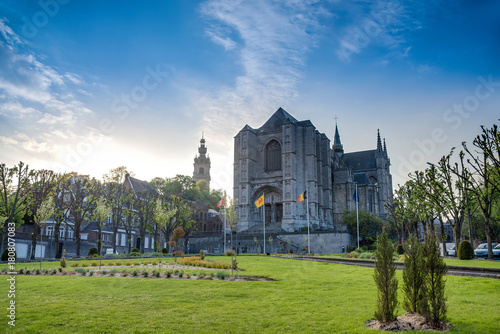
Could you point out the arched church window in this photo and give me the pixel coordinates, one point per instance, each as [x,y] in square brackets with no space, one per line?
[202,170]
[273,156]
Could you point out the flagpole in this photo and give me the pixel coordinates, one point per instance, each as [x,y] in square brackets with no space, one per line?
[264,223]
[357,213]
[224,208]
[308,238]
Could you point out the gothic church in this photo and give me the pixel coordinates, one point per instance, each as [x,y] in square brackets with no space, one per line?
[285,157]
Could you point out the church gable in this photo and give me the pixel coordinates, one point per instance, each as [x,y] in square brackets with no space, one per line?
[276,120]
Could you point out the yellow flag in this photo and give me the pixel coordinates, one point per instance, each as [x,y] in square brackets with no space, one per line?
[260,201]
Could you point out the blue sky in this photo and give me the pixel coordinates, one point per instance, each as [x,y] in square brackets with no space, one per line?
[87,86]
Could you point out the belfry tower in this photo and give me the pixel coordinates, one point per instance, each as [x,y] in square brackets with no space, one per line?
[202,163]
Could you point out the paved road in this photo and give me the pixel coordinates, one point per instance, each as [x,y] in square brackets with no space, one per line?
[452,270]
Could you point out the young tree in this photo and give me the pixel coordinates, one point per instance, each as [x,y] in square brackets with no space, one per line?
[385,279]
[81,201]
[414,277]
[162,215]
[483,185]
[44,212]
[102,211]
[14,193]
[176,236]
[232,221]
[370,225]
[42,186]
[436,271]
[144,205]
[60,197]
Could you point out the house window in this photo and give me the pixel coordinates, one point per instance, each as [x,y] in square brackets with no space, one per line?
[273,156]
[202,170]
[48,231]
[70,233]
[61,232]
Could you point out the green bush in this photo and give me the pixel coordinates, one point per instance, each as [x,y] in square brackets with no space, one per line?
[202,255]
[164,251]
[135,250]
[135,253]
[92,252]
[399,249]
[465,251]
[63,263]
[5,255]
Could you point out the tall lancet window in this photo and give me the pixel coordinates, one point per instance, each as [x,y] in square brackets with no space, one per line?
[273,156]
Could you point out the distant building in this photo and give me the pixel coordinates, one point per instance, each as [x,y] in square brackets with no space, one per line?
[202,164]
[285,157]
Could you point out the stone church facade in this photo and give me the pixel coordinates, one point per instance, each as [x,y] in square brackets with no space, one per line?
[285,157]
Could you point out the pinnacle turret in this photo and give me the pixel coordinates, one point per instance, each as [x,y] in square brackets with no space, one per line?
[337,144]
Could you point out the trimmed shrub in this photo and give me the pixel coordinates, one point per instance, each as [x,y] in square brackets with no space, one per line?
[154,263]
[385,279]
[135,250]
[202,255]
[414,278]
[63,263]
[111,263]
[435,281]
[94,264]
[93,251]
[118,262]
[146,262]
[399,249]
[84,264]
[135,254]
[128,263]
[5,254]
[465,251]
[75,264]
[164,251]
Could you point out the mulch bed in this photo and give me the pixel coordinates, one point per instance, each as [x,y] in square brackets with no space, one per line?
[408,322]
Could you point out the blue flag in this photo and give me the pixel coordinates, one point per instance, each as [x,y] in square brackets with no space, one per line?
[355,196]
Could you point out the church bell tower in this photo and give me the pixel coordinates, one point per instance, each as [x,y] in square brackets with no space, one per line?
[202,163]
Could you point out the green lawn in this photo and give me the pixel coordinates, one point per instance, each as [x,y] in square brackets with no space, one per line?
[308,297]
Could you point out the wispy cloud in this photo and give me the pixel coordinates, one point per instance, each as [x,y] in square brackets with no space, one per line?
[44,117]
[272,42]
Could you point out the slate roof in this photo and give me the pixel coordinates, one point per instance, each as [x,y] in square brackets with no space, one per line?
[362,160]
[361,179]
[276,120]
[140,186]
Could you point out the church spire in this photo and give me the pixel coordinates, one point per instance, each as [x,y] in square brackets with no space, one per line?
[385,149]
[202,150]
[379,142]
[337,144]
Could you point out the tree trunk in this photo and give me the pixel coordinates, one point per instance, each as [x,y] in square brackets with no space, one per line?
[57,227]
[77,241]
[99,239]
[456,236]
[33,242]
[443,238]
[489,233]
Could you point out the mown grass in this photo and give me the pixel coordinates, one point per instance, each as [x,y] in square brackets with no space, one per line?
[307,297]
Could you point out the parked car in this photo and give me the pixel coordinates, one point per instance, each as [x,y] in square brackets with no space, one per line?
[496,252]
[482,250]
[451,251]
[110,251]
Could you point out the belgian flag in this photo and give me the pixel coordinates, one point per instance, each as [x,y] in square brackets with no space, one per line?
[302,197]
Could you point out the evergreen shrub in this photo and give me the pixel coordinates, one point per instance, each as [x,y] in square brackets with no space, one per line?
[465,250]
[93,251]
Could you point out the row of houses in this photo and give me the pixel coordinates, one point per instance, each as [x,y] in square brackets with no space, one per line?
[208,222]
